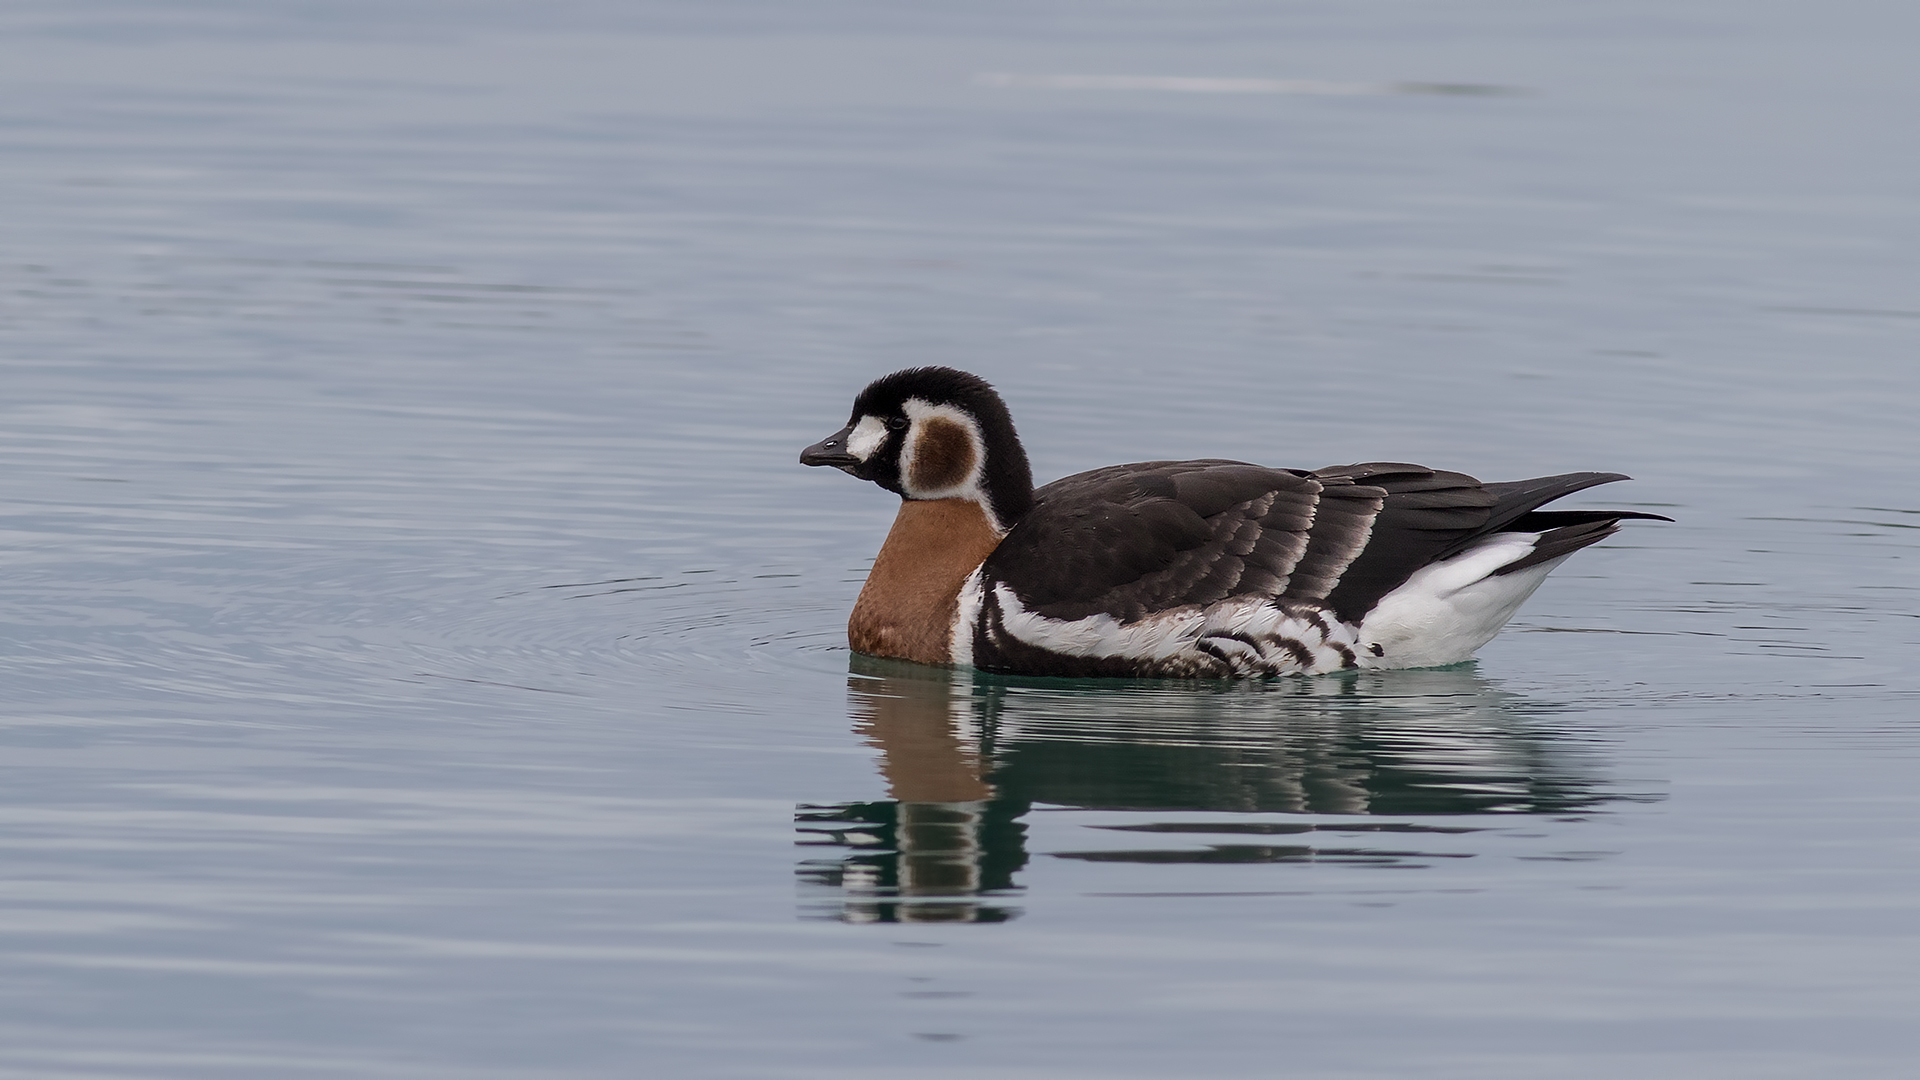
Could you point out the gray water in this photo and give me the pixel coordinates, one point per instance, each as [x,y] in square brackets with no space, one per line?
[423,657]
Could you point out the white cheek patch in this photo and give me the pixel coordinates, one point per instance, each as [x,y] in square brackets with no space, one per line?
[966,487]
[866,437]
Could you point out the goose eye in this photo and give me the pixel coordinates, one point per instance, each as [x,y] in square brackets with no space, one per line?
[897,423]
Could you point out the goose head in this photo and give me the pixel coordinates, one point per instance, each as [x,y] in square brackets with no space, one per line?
[932,433]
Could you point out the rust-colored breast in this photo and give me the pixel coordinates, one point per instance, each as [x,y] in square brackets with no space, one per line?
[906,608]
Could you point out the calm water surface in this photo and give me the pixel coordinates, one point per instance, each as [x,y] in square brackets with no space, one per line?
[421,656]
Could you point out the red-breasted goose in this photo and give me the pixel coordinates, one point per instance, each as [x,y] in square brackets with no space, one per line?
[1196,569]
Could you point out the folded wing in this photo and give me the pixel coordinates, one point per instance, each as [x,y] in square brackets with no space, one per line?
[1130,540]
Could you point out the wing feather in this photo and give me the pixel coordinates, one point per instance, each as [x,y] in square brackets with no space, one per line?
[1134,539]
[1424,512]
[1342,525]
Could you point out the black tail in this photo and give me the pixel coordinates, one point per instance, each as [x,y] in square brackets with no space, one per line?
[1562,532]
[1429,516]
[1564,541]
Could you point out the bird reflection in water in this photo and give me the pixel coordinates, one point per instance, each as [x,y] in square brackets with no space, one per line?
[966,755]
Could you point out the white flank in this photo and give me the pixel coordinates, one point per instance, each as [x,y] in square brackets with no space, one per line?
[1442,615]
[1192,639]
[1448,610]
[966,613]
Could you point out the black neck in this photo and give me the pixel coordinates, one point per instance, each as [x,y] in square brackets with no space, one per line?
[1007,479]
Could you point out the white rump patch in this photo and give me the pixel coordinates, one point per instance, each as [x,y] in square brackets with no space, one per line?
[1447,610]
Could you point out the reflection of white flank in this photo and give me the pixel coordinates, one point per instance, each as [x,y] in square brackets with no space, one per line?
[1198,84]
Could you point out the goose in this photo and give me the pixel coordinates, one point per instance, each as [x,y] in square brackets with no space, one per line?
[1206,569]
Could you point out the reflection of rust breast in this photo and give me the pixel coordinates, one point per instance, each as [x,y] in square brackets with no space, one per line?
[942,455]
[912,723]
[907,607]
